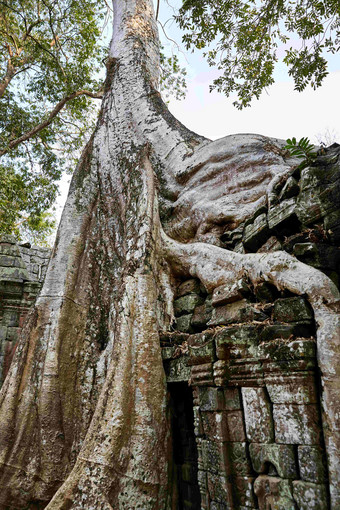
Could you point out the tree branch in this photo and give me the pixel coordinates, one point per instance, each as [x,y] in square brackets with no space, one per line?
[47,122]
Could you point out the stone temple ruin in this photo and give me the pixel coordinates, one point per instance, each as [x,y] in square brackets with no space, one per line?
[241,364]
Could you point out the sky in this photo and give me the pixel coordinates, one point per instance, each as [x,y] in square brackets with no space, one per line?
[280,112]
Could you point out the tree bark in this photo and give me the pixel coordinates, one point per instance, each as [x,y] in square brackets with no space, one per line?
[83,419]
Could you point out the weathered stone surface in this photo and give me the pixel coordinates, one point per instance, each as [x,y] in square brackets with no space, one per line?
[214,456]
[292,310]
[284,331]
[202,375]
[211,399]
[318,255]
[296,424]
[183,323]
[238,461]
[282,213]
[229,337]
[177,370]
[225,294]
[201,348]
[232,399]
[215,425]
[191,286]
[281,456]
[265,292]
[292,389]
[243,492]
[221,372]
[235,426]
[273,493]
[312,463]
[310,496]
[303,348]
[290,189]
[202,315]
[256,233]
[257,414]
[186,304]
[219,489]
[272,244]
[228,314]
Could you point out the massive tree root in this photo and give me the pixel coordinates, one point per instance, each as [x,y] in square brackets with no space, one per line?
[83,419]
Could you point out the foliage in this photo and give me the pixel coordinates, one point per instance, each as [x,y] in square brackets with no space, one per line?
[172,79]
[241,38]
[50,51]
[302,149]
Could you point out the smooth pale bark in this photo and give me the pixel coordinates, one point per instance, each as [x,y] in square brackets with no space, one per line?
[83,410]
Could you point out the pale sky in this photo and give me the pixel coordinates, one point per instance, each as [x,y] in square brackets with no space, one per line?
[280,112]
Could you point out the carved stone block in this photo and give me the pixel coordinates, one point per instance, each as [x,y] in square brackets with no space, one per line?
[312,464]
[229,337]
[219,488]
[243,492]
[238,459]
[257,413]
[292,389]
[177,370]
[281,456]
[292,309]
[211,399]
[310,496]
[201,348]
[202,375]
[273,492]
[214,456]
[232,399]
[296,424]
[235,426]
[215,425]
[221,372]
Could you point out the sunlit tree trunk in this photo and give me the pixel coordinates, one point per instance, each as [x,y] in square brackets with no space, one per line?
[83,421]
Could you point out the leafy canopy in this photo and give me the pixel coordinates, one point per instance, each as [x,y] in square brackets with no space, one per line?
[49,62]
[242,37]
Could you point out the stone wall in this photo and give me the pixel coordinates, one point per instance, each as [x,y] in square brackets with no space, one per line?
[249,356]
[22,270]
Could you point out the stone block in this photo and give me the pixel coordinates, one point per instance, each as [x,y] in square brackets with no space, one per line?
[13,334]
[219,488]
[273,493]
[318,255]
[290,189]
[256,233]
[221,372]
[281,214]
[18,274]
[187,304]
[285,331]
[227,314]
[3,333]
[238,459]
[257,414]
[226,338]
[300,348]
[214,457]
[202,375]
[272,244]
[177,370]
[292,309]
[312,464]
[296,424]
[280,455]
[183,323]
[215,425]
[198,425]
[10,318]
[191,286]
[201,348]
[242,491]
[226,294]
[211,399]
[168,352]
[235,426]
[232,400]
[201,316]
[292,389]
[310,496]
[265,292]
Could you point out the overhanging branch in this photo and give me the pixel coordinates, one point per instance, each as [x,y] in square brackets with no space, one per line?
[51,116]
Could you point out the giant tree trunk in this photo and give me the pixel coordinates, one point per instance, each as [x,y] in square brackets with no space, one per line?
[83,419]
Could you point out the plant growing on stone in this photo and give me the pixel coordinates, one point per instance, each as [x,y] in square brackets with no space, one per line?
[302,149]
